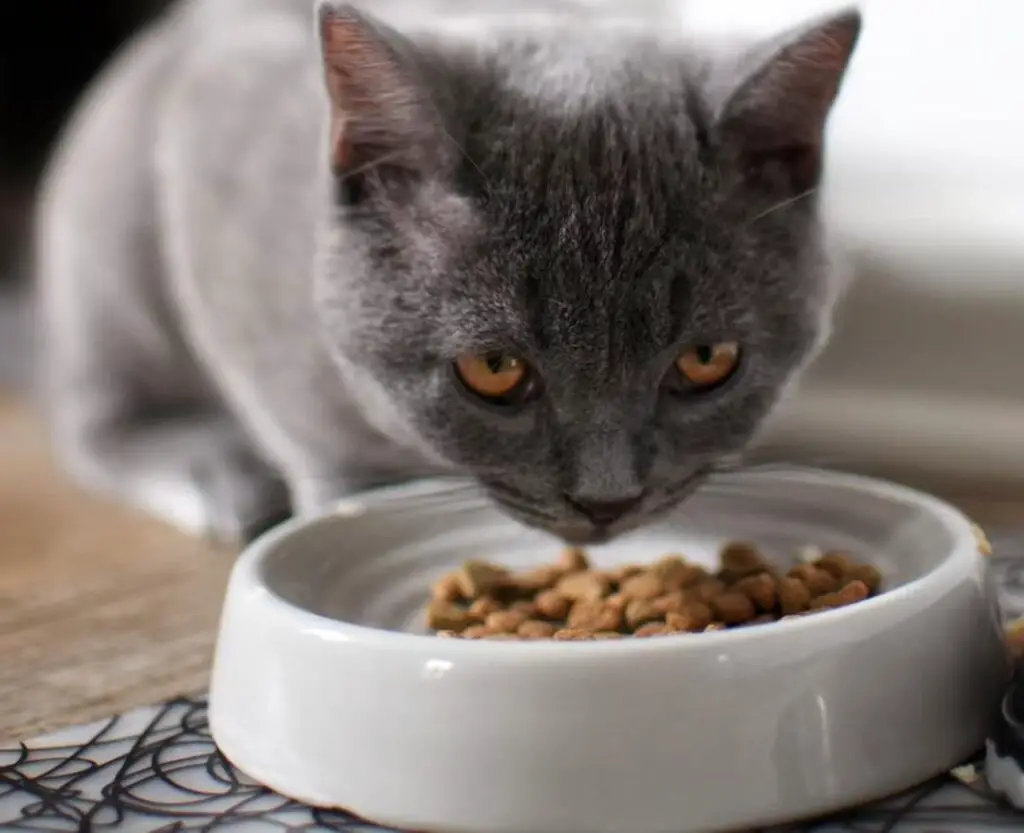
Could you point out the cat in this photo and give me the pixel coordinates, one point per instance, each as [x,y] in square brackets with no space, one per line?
[287,253]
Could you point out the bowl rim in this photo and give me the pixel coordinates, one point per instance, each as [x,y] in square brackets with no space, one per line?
[248,571]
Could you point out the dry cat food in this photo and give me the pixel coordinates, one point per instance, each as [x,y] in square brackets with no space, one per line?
[573,600]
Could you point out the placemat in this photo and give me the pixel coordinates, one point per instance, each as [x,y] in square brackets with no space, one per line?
[157,770]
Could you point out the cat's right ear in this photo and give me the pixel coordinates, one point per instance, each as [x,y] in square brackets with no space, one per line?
[774,120]
[381,118]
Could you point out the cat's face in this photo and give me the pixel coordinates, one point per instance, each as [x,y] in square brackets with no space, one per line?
[589,306]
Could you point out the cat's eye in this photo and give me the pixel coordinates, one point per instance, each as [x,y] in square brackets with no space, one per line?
[704,366]
[493,376]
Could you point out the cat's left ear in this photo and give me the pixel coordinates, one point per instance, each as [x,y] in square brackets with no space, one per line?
[774,120]
[382,118]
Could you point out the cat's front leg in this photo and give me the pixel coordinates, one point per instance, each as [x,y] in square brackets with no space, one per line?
[198,472]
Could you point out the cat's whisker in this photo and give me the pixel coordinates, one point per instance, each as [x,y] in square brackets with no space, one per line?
[379,161]
[786,203]
[465,153]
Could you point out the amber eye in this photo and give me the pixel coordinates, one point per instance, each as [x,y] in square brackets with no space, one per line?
[707,365]
[492,376]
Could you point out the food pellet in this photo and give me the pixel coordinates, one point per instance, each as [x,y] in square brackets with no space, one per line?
[733,608]
[572,600]
[447,616]
[552,605]
[585,586]
[505,621]
[573,560]
[653,629]
[536,629]
[818,581]
[572,634]
[640,612]
[643,586]
[760,589]
[477,578]
[855,591]
[794,595]
[483,607]
[594,616]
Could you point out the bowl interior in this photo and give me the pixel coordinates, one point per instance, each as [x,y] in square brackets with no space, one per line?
[372,561]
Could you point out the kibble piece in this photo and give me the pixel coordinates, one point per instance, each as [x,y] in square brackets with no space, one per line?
[447,634]
[793,595]
[817,580]
[640,612]
[653,629]
[446,589]
[552,605]
[706,591]
[587,586]
[835,563]
[617,601]
[855,591]
[741,558]
[645,586]
[536,629]
[478,578]
[505,621]
[981,539]
[673,602]
[483,607]
[594,616]
[526,607]
[760,589]
[573,560]
[694,618]
[445,616]
[733,608]
[507,637]
[476,632]
[676,574]
[619,574]
[714,626]
[866,573]
[603,635]
[572,635]
[536,580]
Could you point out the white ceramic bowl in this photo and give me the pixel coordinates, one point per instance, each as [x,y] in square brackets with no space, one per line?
[318,692]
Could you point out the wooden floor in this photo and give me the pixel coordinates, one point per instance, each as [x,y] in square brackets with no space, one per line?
[102,609]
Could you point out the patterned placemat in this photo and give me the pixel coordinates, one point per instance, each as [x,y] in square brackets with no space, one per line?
[157,770]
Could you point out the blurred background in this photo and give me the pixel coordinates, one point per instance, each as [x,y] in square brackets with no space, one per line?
[923,381]
[925,188]
[48,53]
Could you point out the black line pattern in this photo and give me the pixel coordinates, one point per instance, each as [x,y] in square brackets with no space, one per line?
[158,771]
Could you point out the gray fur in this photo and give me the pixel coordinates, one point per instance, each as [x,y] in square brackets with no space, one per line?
[574,191]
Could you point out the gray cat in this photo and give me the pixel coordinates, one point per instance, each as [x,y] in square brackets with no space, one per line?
[286,255]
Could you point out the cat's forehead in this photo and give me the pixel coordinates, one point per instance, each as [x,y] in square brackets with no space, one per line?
[608,179]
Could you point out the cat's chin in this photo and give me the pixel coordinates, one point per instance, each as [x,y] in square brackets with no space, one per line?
[572,533]
[581,533]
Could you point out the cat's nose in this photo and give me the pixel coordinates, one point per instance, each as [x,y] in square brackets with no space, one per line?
[603,512]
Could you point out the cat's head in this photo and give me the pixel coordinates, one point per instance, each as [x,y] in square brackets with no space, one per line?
[579,266]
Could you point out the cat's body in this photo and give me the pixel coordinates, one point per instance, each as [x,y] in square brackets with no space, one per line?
[247,281]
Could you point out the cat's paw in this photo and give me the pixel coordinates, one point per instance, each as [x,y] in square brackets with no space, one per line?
[241,497]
